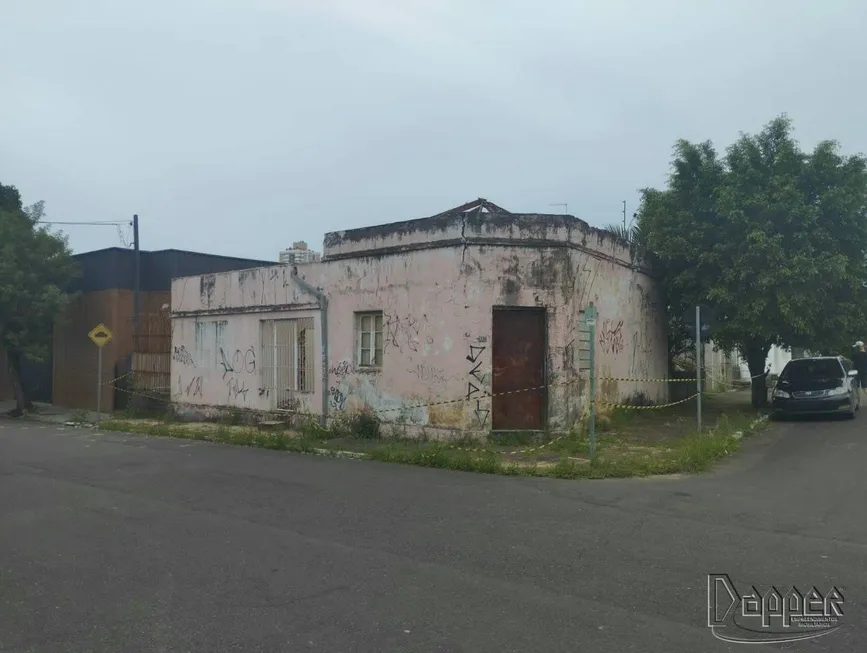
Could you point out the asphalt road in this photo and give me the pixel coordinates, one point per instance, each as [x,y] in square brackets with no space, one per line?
[125,543]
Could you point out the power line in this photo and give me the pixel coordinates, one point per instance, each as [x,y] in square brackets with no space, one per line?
[94,223]
[118,224]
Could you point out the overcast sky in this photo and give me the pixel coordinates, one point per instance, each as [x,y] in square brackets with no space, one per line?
[239,126]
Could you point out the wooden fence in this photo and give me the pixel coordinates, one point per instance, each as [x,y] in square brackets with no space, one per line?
[152,351]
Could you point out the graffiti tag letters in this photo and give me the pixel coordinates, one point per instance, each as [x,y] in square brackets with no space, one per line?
[237,389]
[477,376]
[336,399]
[402,332]
[192,389]
[429,373]
[611,336]
[341,369]
[240,361]
[183,356]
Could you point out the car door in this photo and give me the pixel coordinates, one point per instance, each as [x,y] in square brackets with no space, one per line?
[854,393]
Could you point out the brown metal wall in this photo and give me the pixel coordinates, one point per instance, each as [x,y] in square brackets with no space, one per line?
[518,351]
[75,356]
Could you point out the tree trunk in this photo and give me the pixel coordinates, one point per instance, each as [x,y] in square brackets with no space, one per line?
[22,400]
[756,354]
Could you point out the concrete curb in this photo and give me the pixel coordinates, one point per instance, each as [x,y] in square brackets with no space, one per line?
[737,435]
[339,454]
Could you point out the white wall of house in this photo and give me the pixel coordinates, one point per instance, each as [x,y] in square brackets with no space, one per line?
[240,360]
[429,288]
[776,361]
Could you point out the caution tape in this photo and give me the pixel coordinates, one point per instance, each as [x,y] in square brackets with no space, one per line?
[636,379]
[408,407]
[116,379]
[669,380]
[648,407]
[313,417]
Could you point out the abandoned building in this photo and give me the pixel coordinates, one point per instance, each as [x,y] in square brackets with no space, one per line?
[105,293]
[470,319]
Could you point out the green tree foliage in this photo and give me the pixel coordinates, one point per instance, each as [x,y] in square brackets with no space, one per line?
[772,237]
[36,270]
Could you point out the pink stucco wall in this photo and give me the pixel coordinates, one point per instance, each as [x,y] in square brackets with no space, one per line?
[437,303]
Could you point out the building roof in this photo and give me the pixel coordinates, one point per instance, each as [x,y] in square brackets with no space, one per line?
[114,267]
[185,252]
[476,211]
[478,206]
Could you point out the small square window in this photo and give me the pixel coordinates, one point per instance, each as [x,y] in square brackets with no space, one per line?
[368,339]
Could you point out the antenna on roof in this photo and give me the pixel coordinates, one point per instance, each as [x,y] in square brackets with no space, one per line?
[565,206]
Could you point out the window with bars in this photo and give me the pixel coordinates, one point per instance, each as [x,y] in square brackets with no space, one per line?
[368,328]
[288,358]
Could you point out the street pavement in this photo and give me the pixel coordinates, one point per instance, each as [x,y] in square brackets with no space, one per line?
[113,542]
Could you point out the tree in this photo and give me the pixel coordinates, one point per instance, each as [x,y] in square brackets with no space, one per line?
[36,270]
[772,237]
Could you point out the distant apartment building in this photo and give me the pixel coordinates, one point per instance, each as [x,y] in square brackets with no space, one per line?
[299,254]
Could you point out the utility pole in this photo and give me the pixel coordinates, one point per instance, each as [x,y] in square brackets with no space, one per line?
[624,215]
[698,367]
[137,285]
[565,206]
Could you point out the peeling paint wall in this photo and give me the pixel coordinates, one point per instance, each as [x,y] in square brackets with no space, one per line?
[436,284]
[217,361]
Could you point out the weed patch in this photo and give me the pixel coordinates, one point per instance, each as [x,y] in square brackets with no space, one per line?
[627,447]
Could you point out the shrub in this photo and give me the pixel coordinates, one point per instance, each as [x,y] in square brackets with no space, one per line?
[364,425]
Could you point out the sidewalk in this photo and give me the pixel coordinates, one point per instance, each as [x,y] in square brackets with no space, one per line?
[51,413]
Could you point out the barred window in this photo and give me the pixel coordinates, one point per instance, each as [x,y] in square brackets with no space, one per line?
[288,358]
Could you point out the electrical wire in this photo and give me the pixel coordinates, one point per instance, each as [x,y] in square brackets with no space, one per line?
[126,241]
[92,223]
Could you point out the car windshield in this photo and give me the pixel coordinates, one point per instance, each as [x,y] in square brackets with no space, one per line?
[812,369]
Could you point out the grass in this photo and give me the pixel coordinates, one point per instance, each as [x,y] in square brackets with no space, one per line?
[629,443]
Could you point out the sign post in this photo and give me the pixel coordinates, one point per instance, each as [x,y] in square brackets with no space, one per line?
[101,335]
[590,323]
[698,325]
[698,365]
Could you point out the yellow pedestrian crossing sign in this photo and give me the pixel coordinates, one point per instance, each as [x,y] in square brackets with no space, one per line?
[101,335]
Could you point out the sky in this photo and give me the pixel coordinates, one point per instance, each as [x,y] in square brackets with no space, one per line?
[239,126]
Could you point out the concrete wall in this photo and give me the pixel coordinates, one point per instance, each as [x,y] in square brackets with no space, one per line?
[216,361]
[436,284]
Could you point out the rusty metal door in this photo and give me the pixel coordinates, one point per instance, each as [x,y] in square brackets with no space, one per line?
[518,363]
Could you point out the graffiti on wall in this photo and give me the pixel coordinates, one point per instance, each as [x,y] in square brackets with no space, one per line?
[237,388]
[240,362]
[191,389]
[336,398]
[642,352]
[611,337]
[343,368]
[476,376]
[183,356]
[429,373]
[405,333]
